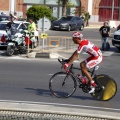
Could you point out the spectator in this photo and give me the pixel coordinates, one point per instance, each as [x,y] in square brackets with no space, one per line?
[105,33]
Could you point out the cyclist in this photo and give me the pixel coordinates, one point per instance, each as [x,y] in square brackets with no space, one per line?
[94,59]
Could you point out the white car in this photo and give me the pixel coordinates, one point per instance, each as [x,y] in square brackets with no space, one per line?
[116,40]
[19,26]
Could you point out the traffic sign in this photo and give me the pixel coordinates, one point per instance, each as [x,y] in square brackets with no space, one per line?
[44,24]
[43,35]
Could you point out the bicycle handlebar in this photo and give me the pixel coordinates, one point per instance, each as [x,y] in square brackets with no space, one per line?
[63,62]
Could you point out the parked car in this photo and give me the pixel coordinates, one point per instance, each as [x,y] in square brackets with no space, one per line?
[19,26]
[68,23]
[116,39]
[4,17]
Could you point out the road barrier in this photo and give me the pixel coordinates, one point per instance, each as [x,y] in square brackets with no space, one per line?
[54,44]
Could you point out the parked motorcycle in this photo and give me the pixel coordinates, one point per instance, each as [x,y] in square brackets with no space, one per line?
[16,43]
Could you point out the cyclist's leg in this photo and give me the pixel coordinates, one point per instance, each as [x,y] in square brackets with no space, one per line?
[88,64]
[84,70]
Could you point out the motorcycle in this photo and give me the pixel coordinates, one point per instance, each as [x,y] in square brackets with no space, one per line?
[16,43]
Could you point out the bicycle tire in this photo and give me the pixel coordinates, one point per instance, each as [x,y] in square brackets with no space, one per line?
[59,89]
[110,88]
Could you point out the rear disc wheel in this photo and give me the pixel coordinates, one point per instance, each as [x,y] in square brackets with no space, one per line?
[108,86]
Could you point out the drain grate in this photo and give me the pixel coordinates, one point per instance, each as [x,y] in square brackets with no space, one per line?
[21,115]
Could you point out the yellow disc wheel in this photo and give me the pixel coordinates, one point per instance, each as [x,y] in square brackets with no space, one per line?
[108,88]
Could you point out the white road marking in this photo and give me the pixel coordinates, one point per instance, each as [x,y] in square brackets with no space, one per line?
[59,104]
[107,53]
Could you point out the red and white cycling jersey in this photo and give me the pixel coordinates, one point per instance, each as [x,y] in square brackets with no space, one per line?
[94,52]
[89,48]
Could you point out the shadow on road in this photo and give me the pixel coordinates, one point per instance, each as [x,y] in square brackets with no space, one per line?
[47,93]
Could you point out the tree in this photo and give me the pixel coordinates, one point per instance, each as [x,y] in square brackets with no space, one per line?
[65,4]
[37,12]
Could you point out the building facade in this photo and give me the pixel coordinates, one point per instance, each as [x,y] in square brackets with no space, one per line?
[100,10]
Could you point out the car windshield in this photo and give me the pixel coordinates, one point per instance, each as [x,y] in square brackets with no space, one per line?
[66,18]
[3,26]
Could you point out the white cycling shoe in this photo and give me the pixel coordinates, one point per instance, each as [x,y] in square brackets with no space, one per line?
[92,90]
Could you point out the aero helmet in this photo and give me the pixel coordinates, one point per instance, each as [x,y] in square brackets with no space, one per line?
[77,34]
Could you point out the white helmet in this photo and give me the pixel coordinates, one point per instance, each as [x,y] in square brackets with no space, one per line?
[77,34]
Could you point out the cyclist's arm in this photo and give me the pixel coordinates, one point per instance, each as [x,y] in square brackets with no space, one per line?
[73,57]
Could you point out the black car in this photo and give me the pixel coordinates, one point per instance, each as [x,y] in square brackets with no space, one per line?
[4,17]
[68,23]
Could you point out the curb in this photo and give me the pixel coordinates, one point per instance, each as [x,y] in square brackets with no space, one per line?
[51,55]
[58,109]
[92,27]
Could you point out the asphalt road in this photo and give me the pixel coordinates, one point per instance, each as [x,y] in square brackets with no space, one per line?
[28,79]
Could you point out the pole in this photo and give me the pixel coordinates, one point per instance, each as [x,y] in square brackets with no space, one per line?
[112,9]
[12,6]
[43,24]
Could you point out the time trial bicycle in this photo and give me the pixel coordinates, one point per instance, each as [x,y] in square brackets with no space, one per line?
[63,84]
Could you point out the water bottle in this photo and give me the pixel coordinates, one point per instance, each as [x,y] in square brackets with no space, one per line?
[82,79]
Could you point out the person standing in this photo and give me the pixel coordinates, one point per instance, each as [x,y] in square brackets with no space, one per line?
[31,29]
[11,28]
[105,32]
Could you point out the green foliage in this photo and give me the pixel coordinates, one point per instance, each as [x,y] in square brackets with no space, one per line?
[36,12]
[53,18]
[69,4]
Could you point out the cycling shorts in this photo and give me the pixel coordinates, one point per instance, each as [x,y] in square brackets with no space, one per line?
[93,61]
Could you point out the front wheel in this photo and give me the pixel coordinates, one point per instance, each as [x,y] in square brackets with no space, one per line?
[81,27]
[62,85]
[69,28]
[10,50]
[108,87]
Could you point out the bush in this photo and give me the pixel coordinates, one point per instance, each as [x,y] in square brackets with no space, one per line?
[36,12]
[53,18]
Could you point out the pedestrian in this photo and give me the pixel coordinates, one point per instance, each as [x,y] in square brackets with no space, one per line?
[95,57]
[105,32]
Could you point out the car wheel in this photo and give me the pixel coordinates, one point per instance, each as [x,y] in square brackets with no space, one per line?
[69,28]
[81,27]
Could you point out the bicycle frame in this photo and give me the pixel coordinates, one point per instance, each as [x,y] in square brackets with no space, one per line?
[92,72]
[70,71]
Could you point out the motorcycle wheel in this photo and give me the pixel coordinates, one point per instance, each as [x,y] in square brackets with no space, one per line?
[10,50]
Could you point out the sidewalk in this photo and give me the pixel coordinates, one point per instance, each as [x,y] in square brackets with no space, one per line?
[94,25]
